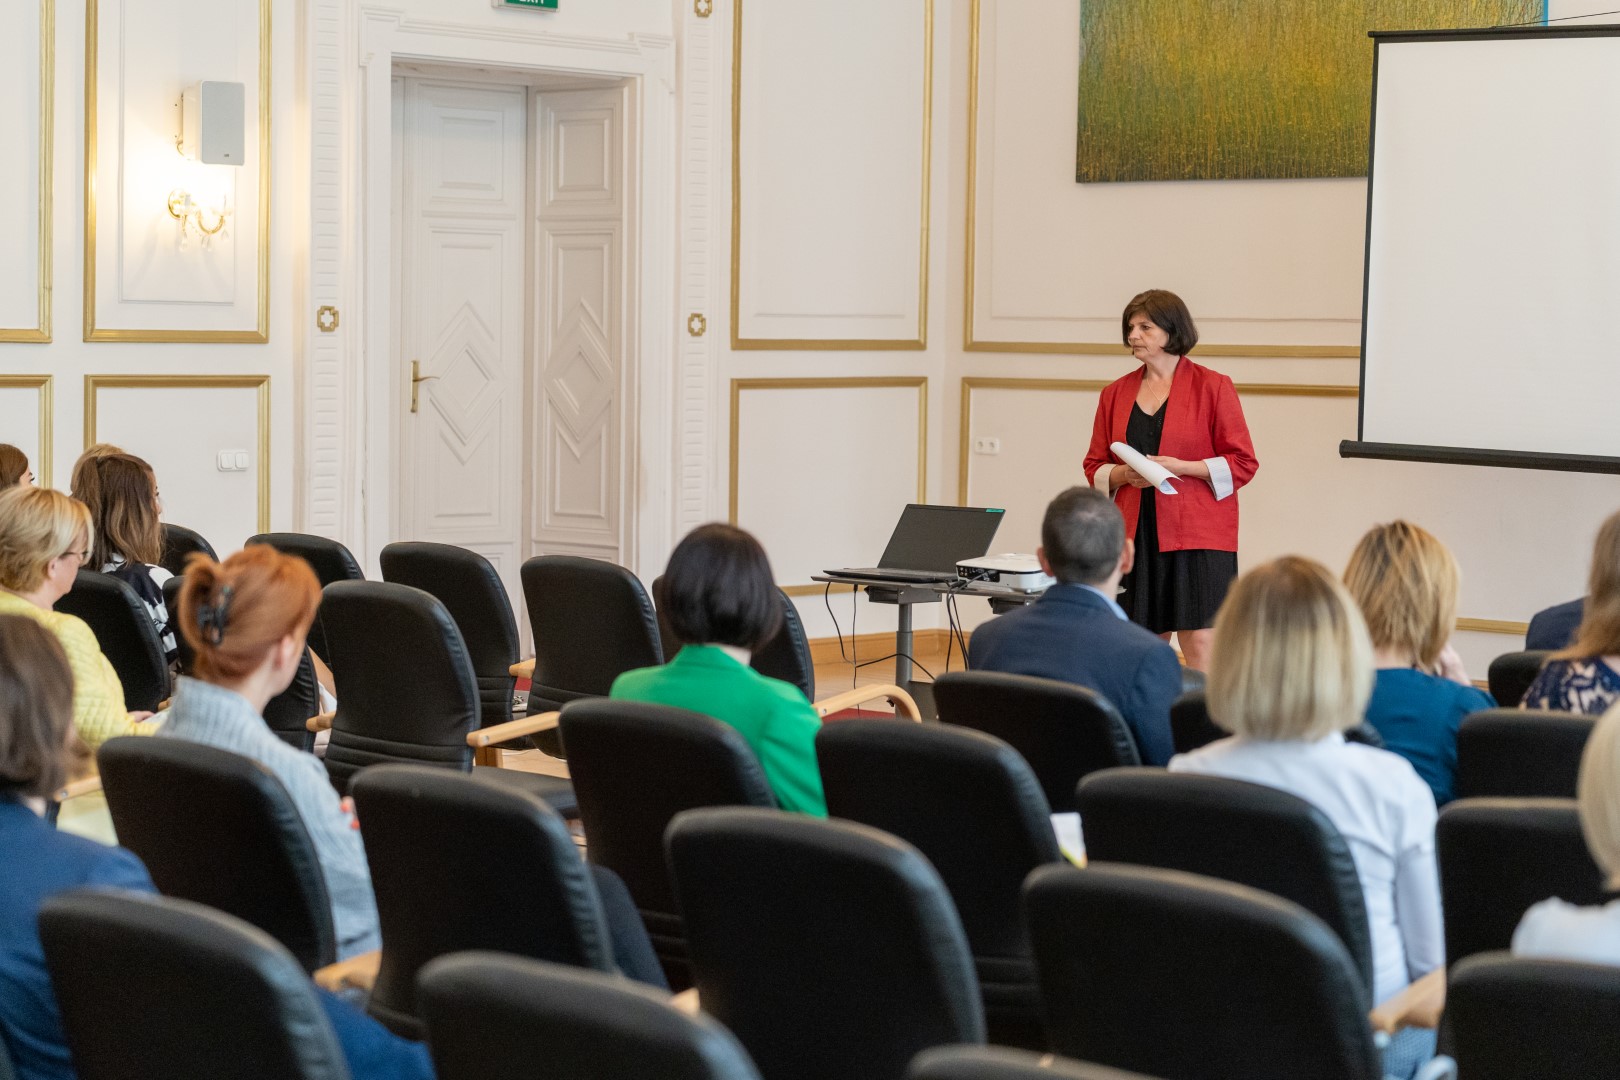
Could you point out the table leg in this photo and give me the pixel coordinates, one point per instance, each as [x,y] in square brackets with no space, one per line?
[902,646]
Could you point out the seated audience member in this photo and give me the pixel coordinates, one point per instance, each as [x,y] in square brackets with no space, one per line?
[44,538]
[246,619]
[124,508]
[1405,582]
[1561,931]
[1585,677]
[14,468]
[1291,670]
[35,727]
[82,480]
[721,599]
[1077,632]
[1555,627]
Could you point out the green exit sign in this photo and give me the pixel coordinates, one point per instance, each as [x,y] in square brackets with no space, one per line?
[535,5]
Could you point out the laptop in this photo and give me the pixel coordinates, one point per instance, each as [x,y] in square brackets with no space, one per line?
[929,541]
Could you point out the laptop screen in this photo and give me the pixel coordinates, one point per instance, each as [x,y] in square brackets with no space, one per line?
[939,537]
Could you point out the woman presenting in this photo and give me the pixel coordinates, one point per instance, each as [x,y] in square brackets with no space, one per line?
[1186,418]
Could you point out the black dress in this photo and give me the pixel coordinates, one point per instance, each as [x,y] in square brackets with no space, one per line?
[1169,590]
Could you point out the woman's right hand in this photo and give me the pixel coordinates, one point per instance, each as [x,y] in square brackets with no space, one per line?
[1124,474]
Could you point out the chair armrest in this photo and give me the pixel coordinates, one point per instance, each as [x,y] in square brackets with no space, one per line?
[1419,1005]
[357,972]
[512,729]
[88,786]
[523,669]
[903,702]
[687,1002]
[320,722]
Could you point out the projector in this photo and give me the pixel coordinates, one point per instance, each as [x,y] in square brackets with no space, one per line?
[1018,572]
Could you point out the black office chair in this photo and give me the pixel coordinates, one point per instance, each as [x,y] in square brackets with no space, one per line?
[786,656]
[458,863]
[331,562]
[468,586]
[635,766]
[492,1017]
[998,1063]
[179,543]
[1520,753]
[1064,731]
[1524,1019]
[151,986]
[1190,978]
[6,1070]
[829,949]
[971,805]
[124,630]
[1511,674]
[219,829]
[405,688]
[1500,856]
[1190,725]
[1236,831]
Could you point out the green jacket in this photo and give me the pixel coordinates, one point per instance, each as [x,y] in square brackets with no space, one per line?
[771,715]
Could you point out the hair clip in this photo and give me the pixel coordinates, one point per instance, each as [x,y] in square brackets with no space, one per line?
[211,617]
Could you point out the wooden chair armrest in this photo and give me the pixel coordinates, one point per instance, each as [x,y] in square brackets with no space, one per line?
[903,702]
[88,786]
[687,1002]
[320,722]
[523,669]
[512,729]
[1419,1005]
[357,972]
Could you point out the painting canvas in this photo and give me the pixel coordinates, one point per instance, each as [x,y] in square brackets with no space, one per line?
[1242,89]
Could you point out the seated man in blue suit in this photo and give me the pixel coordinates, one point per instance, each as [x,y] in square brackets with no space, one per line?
[1554,627]
[1078,633]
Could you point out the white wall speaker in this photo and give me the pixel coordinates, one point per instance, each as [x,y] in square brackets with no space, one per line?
[212,119]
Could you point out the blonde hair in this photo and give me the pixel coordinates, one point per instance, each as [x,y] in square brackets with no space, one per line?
[1598,795]
[38,525]
[1599,634]
[1291,658]
[1405,582]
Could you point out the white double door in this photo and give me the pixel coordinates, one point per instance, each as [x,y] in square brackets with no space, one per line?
[508,290]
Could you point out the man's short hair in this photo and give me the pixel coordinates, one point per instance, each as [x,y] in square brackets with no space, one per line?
[1083,534]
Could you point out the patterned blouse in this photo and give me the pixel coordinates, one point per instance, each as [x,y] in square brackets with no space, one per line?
[1578,686]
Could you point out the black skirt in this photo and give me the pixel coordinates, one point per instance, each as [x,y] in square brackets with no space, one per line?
[1169,590]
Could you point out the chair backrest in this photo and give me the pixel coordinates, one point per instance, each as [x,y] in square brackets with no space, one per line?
[492,1017]
[460,862]
[468,586]
[1000,1063]
[786,656]
[286,712]
[178,543]
[405,685]
[220,829]
[635,766]
[124,630]
[1520,753]
[1190,725]
[156,986]
[1520,1019]
[828,948]
[1500,856]
[331,562]
[592,621]
[1064,731]
[971,805]
[1233,830]
[1184,976]
[1511,674]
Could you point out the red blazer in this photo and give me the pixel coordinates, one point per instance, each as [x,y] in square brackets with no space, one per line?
[1203,420]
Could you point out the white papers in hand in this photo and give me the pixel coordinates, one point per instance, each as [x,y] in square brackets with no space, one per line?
[1151,471]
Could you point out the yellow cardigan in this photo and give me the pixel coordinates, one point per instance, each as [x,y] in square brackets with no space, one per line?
[98,696]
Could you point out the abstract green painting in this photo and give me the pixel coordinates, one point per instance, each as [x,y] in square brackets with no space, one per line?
[1242,89]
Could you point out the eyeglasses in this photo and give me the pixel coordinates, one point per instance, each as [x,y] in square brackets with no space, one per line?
[82,556]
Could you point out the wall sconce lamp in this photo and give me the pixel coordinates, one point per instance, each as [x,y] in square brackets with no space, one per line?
[212,120]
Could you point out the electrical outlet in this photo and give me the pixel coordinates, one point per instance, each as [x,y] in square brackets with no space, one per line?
[987,444]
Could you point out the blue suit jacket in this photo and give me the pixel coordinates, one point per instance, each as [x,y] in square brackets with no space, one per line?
[1071,634]
[1555,627]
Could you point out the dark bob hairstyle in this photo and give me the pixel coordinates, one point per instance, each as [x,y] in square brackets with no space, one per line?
[36,709]
[719,590]
[1166,311]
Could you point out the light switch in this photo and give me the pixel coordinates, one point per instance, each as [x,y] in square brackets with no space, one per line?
[225,461]
[241,460]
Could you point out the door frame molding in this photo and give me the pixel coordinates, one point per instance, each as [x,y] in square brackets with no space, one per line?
[351,388]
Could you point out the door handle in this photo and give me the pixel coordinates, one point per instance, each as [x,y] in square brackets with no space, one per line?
[417,379]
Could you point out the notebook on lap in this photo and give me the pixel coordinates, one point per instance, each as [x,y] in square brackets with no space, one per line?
[929,541]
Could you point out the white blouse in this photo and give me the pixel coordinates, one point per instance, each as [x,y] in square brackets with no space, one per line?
[1556,930]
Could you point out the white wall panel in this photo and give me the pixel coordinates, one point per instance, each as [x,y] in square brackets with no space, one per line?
[25,56]
[831,177]
[26,419]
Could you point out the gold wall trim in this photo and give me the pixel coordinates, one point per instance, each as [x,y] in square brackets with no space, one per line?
[971,343]
[41,331]
[1494,626]
[825,344]
[867,382]
[92,332]
[95,383]
[44,385]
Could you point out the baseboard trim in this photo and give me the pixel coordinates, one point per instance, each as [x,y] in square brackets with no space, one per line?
[871,646]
